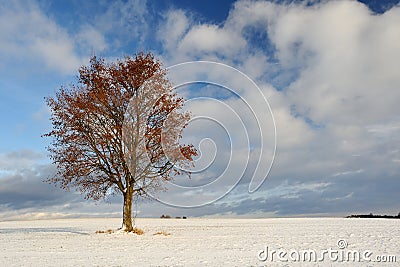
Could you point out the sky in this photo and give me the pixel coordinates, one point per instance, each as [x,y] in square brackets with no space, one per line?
[328,71]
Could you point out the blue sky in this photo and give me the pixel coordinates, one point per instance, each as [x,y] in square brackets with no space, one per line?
[329,70]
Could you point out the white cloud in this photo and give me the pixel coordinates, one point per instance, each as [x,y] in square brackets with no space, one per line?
[175,26]
[211,39]
[89,38]
[184,39]
[347,58]
[28,35]
[20,160]
[339,63]
[349,61]
[347,172]
[42,114]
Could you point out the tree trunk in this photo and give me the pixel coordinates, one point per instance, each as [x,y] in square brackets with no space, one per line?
[127,212]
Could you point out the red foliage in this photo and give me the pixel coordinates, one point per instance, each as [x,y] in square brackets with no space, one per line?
[118,128]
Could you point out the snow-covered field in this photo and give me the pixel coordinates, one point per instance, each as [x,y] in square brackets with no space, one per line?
[199,242]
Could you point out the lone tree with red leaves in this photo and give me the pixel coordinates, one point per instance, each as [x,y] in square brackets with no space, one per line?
[118,130]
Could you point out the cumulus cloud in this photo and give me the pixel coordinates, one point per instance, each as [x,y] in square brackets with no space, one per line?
[184,39]
[210,39]
[176,23]
[22,175]
[333,65]
[18,160]
[28,35]
[350,60]
[24,194]
[89,38]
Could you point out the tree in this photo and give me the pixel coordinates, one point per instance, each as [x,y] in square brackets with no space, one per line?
[117,130]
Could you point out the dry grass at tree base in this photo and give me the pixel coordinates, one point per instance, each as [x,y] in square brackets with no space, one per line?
[138,231]
[162,233]
[109,231]
[135,230]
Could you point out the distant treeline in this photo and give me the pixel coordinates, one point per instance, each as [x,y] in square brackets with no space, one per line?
[375,216]
[169,217]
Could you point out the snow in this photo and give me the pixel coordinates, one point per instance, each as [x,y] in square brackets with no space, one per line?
[192,242]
